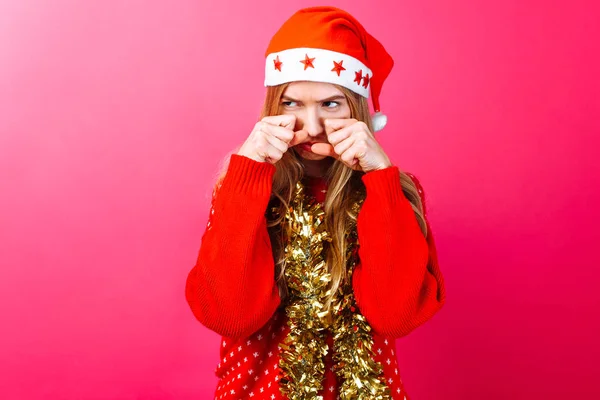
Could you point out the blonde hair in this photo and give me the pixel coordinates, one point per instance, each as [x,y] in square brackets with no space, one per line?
[344,184]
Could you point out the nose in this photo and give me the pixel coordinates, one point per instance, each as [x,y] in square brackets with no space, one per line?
[312,122]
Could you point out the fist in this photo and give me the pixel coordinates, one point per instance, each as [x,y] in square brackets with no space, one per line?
[351,142]
[271,137]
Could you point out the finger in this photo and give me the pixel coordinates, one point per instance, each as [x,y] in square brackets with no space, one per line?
[334,124]
[299,137]
[272,154]
[343,146]
[280,132]
[277,143]
[324,149]
[286,120]
[356,151]
[263,146]
[340,135]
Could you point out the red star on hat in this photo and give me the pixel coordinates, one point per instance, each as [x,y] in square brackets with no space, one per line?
[338,67]
[308,62]
[358,76]
[277,64]
[366,81]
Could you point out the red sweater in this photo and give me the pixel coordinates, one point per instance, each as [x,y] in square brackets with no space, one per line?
[231,290]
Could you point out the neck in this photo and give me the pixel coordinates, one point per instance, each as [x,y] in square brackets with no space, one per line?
[316,168]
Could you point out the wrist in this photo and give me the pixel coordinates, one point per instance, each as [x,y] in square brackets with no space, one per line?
[253,157]
[381,166]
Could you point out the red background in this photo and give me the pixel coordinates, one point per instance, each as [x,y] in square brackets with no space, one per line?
[115,115]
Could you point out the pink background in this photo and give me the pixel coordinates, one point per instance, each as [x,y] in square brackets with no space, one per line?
[115,115]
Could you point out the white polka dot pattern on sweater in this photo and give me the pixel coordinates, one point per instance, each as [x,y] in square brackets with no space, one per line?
[249,367]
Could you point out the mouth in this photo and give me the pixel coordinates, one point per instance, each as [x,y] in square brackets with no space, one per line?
[306,146]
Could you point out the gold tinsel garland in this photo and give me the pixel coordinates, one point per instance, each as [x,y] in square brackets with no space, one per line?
[308,280]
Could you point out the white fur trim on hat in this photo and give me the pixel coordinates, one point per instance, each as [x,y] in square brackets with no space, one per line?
[321,67]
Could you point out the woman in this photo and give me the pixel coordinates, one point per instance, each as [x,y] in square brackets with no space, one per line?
[317,253]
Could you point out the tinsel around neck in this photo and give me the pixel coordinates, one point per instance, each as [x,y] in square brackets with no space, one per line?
[308,280]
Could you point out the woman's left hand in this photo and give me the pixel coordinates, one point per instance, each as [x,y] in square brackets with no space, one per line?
[351,142]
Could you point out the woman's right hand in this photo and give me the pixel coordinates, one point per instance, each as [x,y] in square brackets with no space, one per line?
[271,137]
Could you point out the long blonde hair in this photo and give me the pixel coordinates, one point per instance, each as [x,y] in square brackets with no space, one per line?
[344,184]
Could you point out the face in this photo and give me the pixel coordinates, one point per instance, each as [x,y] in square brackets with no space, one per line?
[312,103]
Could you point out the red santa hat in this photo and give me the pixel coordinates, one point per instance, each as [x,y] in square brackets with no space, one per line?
[326,44]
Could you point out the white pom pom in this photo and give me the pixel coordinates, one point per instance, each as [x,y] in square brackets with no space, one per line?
[379,121]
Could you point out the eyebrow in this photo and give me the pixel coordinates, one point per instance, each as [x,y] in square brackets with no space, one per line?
[331,98]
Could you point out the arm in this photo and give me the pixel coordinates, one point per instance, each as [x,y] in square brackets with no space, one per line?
[231,289]
[397,283]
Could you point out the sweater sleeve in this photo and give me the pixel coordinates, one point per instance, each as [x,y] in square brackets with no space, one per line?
[397,282]
[231,289]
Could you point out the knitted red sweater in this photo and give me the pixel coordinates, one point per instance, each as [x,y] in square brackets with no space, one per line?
[231,290]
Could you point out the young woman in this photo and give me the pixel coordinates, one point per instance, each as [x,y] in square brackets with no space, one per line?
[317,253]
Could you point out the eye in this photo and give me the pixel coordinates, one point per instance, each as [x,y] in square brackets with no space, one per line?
[289,103]
[332,104]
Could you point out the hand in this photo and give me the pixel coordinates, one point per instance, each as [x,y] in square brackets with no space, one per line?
[351,142]
[271,137]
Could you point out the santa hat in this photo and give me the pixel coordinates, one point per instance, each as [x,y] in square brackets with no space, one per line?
[326,44]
